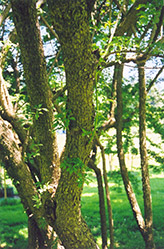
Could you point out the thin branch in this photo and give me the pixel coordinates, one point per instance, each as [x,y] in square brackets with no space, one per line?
[152,68]
[5,13]
[112,35]
[112,63]
[97,171]
[59,92]
[158,25]
[128,187]
[110,216]
[49,27]
[144,159]
[54,62]
[146,30]
[154,80]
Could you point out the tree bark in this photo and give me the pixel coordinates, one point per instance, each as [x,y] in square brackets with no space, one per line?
[28,33]
[127,184]
[71,22]
[97,171]
[148,235]
[110,215]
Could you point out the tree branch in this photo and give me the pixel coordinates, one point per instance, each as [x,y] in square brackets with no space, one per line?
[154,80]
[158,25]
[49,27]
[110,216]
[10,153]
[55,61]
[5,13]
[129,19]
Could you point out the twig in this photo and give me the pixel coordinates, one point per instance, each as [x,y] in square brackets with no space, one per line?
[49,27]
[4,15]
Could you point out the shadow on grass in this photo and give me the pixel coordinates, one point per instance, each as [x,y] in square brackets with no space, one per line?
[14,237]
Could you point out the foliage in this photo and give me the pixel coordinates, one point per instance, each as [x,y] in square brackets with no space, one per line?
[75,167]
[134,176]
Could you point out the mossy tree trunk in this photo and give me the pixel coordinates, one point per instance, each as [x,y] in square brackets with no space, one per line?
[46,164]
[71,22]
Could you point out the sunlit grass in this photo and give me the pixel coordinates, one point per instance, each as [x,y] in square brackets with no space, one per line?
[13,220]
[13,225]
[126,231]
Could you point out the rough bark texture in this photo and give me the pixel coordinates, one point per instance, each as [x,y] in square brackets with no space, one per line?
[148,236]
[10,151]
[71,22]
[28,33]
[47,163]
[35,238]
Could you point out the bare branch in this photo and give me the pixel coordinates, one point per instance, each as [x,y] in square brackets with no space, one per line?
[112,63]
[49,27]
[54,62]
[154,80]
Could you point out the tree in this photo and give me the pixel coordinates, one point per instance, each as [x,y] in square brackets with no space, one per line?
[78,59]
[50,187]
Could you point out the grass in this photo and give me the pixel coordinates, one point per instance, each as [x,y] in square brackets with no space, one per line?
[126,233]
[13,225]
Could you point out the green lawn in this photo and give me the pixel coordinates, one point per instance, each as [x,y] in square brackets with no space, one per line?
[13,221]
[13,224]
[127,235]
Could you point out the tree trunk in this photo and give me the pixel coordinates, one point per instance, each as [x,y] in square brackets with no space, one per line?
[127,184]
[148,236]
[97,171]
[35,237]
[110,215]
[40,96]
[71,22]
